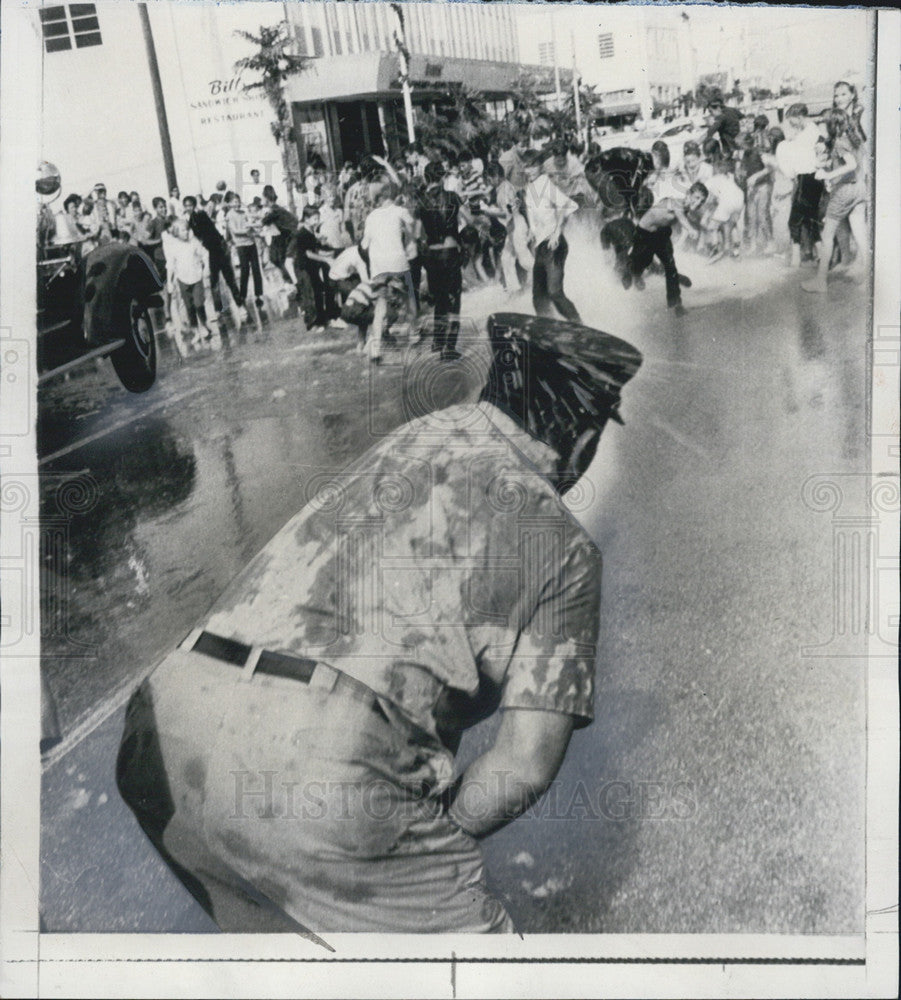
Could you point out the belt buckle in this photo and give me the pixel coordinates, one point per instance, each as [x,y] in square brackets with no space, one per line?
[190,640]
[250,665]
[324,678]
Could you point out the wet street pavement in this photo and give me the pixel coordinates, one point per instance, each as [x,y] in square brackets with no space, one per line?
[721,786]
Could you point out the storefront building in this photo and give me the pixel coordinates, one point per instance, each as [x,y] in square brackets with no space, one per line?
[101,118]
[348,101]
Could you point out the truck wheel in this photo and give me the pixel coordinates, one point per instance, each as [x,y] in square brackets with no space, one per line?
[135,361]
[610,192]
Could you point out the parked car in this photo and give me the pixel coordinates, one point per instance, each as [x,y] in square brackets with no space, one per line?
[93,305]
[675,134]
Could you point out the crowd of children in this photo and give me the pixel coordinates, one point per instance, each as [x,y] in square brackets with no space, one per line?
[357,244]
[750,188]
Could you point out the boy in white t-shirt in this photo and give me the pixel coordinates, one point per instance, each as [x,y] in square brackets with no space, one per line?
[386,233]
[186,262]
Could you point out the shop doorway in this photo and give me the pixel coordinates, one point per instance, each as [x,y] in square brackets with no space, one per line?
[358,130]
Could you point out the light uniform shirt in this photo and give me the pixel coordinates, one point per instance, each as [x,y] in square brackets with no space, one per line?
[513,169]
[348,263]
[571,179]
[686,179]
[384,236]
[238,227]
[414,573]
[546,205]
[666,184]
[331,226]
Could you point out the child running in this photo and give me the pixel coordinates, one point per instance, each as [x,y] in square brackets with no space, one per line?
[730,203]
[654,237]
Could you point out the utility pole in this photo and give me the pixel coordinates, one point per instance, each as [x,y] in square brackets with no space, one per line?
[400,41]
[576,82]
[158,100]
[559,96]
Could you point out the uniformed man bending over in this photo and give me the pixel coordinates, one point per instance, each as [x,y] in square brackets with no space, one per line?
[293,759]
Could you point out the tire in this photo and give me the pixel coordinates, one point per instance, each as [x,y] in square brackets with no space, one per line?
[135,361]
[610,193]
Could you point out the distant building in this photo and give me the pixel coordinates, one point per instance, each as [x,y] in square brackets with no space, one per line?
[640,60]
[100,116]
[349,101]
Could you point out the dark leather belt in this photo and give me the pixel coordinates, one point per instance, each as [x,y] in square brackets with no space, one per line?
[295,668]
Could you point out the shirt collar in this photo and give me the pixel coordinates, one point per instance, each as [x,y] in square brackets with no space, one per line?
[538,454]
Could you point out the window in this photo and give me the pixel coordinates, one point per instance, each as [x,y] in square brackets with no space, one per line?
[63,24]
[546,53]
[316,37]
[300,40]
[605,45]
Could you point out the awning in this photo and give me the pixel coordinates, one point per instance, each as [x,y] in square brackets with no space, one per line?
[615,108]
[377,74]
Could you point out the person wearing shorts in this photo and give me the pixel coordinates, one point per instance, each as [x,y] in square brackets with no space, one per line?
[387,231]
[730,203]
[839,170]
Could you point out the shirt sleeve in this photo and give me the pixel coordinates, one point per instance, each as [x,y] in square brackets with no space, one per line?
[552,667]
[562,201]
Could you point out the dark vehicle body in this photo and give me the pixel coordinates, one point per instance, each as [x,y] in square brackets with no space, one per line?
[97,306]
[618,176]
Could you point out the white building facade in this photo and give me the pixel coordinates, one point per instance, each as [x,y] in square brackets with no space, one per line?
[100,120]
[639,59]
[349,100]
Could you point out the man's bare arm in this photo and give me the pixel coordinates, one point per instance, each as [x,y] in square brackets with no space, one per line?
[515,772]
[682,218]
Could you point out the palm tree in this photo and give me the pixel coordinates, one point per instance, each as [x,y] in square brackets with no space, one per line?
[527,104]
[588,98]
[275,65]
[459,123]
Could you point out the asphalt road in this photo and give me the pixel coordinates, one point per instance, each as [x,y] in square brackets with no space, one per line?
[721,786]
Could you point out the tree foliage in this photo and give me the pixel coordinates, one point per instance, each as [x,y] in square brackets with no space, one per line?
[458,124]
[275,65]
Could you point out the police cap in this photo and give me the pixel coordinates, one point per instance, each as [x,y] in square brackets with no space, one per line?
[573,367]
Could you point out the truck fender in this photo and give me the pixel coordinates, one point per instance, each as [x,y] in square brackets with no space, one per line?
[114,275]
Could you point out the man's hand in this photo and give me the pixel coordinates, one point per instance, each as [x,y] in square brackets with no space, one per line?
[511,776]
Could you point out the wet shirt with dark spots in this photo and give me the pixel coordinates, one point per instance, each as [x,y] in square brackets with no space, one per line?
[441,557]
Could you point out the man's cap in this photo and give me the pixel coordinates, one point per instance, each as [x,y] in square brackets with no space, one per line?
[99,186]
[590,366]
